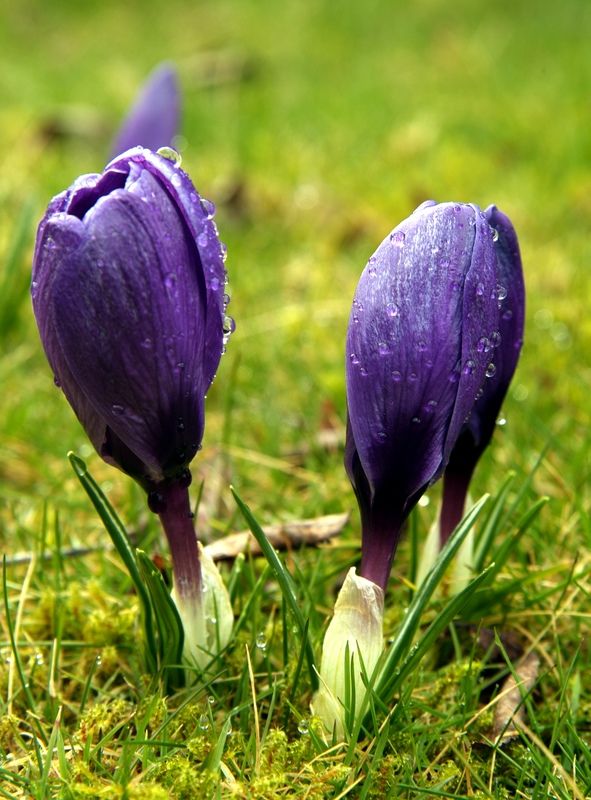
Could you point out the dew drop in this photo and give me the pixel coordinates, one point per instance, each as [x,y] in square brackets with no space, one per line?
[397,238]
[396,376]
[203,239]
[392,310]
[454,376]
[147,343]
[383,349]
[507,315]
[430,406]
[494,234]
[495,338]
[208,208]
[490,370]
[382,436]
[117,409]
[203,722]
[211,700]
[416,420]
[469,367]
[170,154]
[501,292]
[501,422]
[261,641]
[304,727]
[483,345]
[353,358]
[412,377]
[363,372]
[214,284]
[176,181]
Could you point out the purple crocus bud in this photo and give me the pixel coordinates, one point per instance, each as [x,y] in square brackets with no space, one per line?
[154,118]
[425,303]
[504,348]
[128,293]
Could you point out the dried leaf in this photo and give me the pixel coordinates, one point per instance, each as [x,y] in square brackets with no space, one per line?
[510,711]
[309,532]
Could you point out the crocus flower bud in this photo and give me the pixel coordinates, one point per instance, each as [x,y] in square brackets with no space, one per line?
[352,646]
[416,362]
[504,347]
[154,118]
[128,293]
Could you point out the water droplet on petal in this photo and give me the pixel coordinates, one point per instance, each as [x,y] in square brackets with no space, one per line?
[416,420]
[412,377]
[483,345]
[363,372]
[117,409]
[396,376]
[494,234]
[383,349]
[203,239]
[397,238]
[392,310]
[170,154]
[490,370]
[353,358]
[495,338]
[208,208]
[507,315]
[469,367]
[501,292]
[147,343]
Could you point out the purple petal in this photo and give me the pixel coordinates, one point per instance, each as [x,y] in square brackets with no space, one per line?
[413,367]
[128,293]
[154,119]
[415,363]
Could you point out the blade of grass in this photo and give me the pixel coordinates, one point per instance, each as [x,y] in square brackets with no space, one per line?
[120,539]
[286,582]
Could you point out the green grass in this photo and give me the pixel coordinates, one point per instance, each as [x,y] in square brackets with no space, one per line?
[315,127]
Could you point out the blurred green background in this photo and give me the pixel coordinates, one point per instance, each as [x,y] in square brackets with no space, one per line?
[315,127]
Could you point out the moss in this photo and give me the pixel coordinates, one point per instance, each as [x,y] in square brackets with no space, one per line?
[185,781]
[103,717]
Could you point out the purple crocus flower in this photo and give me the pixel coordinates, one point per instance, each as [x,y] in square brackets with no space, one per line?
[128,293]
[154,118]
[416,362]
[505,347]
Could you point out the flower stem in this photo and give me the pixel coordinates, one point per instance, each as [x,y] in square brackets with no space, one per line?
[455,490]
[174,509]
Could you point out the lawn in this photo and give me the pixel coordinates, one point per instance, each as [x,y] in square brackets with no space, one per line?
[315,127]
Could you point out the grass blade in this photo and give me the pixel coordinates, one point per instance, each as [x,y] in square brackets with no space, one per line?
[286,582]
[120,539]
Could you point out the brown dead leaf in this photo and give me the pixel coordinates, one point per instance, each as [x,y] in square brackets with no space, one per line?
[309,532]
